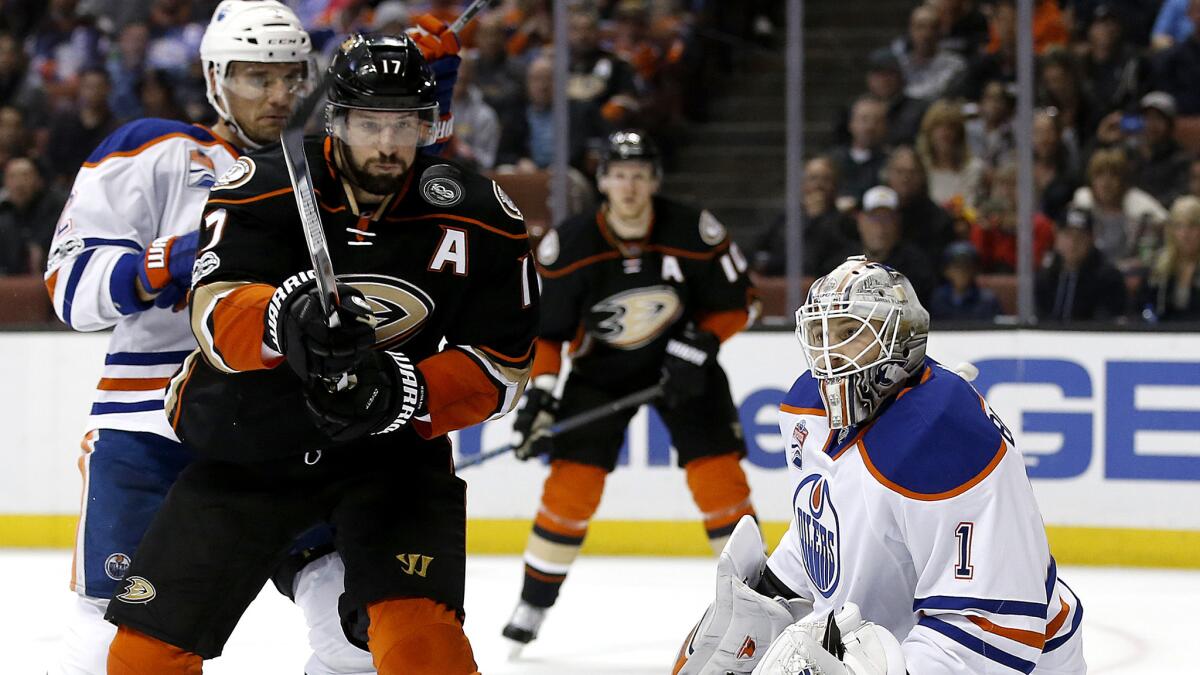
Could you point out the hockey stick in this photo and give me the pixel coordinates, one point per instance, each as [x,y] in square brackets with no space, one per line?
[633,400]
[469,13]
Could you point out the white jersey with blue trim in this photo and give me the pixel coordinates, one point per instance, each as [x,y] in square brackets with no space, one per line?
[925,517]
[148,179]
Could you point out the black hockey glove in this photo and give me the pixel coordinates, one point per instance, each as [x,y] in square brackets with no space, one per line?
[690,355]
[535,415]
[388,391]
[298,329]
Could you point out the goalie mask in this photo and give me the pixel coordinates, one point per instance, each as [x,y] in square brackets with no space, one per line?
[863,331]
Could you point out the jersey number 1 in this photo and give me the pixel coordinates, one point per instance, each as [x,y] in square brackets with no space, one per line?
[964,569]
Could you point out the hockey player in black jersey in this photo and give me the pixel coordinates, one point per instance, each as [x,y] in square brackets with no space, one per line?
[437,316]
[641,286]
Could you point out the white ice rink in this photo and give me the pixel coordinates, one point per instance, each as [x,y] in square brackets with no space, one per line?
[616,615]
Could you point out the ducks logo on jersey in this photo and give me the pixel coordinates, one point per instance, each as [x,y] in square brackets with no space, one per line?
[819,534]
[634,318]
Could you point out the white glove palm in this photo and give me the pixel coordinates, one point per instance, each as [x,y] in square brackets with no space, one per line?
[869,649]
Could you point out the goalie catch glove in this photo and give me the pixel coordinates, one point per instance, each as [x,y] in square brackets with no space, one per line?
[535,415]
[735,630]
[809,648]
[298,328]
[690,356]
[388,391]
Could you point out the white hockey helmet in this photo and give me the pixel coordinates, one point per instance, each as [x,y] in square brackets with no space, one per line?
[864,332]
[258,31]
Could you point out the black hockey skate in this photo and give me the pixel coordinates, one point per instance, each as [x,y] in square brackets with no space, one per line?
[523,627]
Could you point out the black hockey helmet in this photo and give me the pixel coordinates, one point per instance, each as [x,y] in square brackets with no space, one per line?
[385,73]
[630,144]
[382,72]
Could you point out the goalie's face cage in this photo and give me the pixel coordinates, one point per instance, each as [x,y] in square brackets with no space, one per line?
[841,339]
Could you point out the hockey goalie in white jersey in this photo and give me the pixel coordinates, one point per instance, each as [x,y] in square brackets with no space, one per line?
[915,526]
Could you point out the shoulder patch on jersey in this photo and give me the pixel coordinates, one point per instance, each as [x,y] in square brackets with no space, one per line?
[237,175]
[934,442]
[440,186]
[548,249]
[506,203]
[712,232]
[131,137]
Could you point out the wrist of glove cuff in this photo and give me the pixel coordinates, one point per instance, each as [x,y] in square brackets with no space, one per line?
[386,391]
[409,392]
[273,335]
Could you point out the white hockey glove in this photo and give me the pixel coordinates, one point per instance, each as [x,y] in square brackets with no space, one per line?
[859,648]
[736,628]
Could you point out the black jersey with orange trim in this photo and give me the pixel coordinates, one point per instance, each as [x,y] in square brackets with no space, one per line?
[448,273]
[617,302]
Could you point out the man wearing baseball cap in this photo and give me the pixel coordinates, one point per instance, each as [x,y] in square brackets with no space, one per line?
[1161,163]
[882,240]
[1078,283]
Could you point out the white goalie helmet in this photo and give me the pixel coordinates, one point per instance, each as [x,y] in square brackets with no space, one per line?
[863,331]
[258,31]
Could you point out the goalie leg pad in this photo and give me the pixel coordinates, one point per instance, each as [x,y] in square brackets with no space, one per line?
[318,587]
[720,490]
[734,631]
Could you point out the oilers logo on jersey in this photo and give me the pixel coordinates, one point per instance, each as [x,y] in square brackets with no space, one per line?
[818,527]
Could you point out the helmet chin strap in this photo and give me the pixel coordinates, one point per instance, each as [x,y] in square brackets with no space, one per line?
[836,394]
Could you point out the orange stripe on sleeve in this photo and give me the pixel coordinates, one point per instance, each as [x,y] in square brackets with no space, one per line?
[459,393]
[51,282]
[255,198]
[132,383]
[801,411]
[238,327]
[1025,637]
[724,324]
[1058,620]
[547,358]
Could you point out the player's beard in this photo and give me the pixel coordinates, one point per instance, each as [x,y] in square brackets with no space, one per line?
[379,184]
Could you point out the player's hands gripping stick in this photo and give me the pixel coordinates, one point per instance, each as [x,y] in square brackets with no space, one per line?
[388,391]
[298,328]
[166,269]
[535,415]
[690,355]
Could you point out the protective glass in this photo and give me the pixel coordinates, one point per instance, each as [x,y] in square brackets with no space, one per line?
[257,83]
[843,338]
[364,127]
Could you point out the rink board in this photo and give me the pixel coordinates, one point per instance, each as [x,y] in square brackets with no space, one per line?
[1109,424]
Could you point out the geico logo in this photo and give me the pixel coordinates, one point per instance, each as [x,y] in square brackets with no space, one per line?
[1099,415]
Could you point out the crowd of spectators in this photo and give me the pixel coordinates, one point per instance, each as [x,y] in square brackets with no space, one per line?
[72,71]
[920,172]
